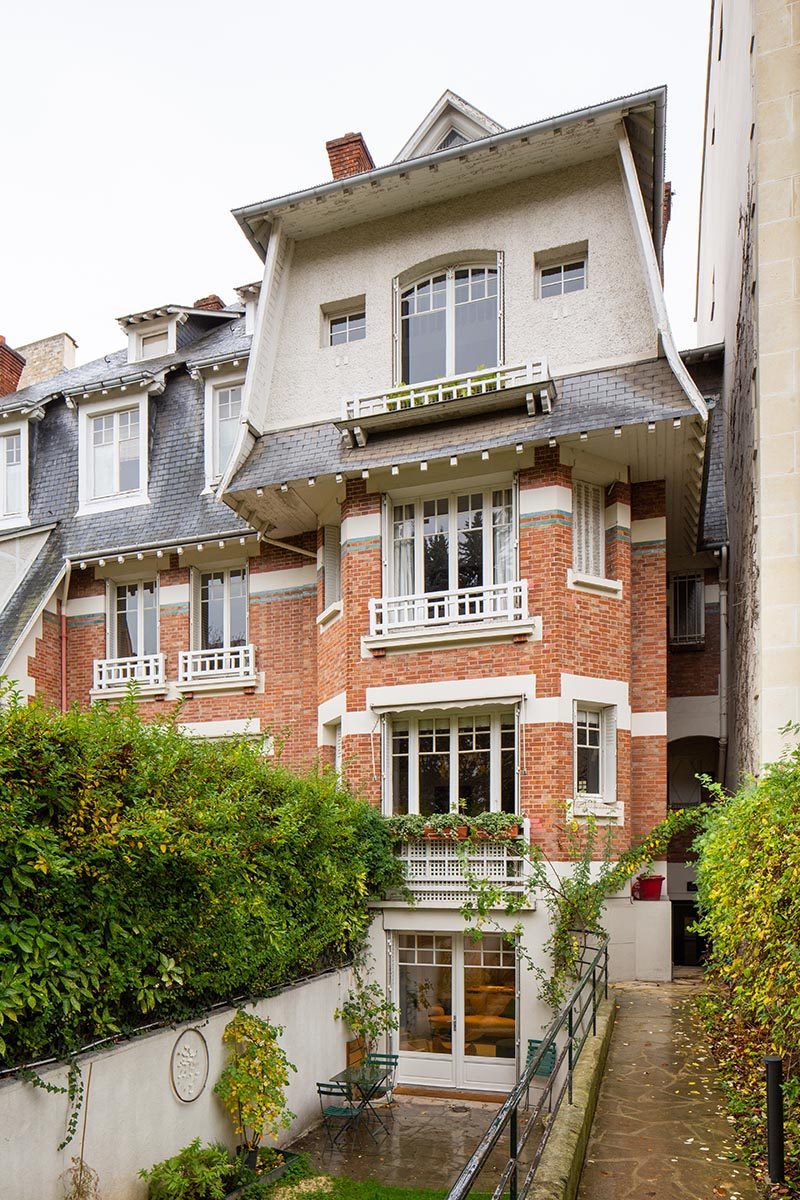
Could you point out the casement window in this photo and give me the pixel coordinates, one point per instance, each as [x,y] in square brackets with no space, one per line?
[349,327]
[588,528]
[13,502]
[154,345]
[443,764]
[562,278]
[113,451]
[219,609]
[595,752]
[332,564]
[686,609]
[226,418]
[449,324]
[452,542]
[133,631]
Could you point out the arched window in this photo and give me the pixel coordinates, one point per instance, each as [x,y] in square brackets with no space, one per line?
[449,323]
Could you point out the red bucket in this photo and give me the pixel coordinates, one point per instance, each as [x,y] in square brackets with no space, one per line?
[647,887]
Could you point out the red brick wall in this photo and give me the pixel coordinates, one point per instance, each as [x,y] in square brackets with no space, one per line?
[694,670]
[44,665]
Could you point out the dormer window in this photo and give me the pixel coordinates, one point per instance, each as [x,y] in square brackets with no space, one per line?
[223,416]
[113,454]
[449,324]
[154,345]
[13,477]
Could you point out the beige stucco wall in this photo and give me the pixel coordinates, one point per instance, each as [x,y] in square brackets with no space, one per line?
[131,1118]
[609,322]
[777,120]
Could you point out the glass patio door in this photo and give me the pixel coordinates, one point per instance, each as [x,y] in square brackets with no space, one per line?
[458,1011]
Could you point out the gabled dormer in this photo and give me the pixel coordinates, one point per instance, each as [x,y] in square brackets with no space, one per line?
[157,332]
[451,122]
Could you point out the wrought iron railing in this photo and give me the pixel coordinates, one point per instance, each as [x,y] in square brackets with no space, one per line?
[495,602]
[454,387]
[234,662]
[146,670]
[576,1021]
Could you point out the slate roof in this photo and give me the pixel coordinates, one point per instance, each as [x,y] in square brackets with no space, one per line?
[178,511]
[630,395]
[714,513]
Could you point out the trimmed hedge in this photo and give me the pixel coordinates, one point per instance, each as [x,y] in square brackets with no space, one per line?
[748,875]
[146,876]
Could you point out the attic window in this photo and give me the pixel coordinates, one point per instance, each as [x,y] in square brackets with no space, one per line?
[453,138]
[153,345]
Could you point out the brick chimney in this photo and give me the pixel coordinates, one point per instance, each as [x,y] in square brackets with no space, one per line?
[666,211]
[11,365]
[349,156]
[210,303]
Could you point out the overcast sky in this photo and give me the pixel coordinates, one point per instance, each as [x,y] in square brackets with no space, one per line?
[130,131]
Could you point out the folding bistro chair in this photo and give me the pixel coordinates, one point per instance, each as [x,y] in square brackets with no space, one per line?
[546,1066]
[336,1104]
[384,1092]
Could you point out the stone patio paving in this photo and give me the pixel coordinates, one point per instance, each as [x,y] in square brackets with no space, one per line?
[428,1143]
[660,1128]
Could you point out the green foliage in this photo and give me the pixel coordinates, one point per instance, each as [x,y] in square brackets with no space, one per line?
[253,1084]
[574,901]
[195,1173]
[409,826]
[144,873]
[368,1011]
[748,876]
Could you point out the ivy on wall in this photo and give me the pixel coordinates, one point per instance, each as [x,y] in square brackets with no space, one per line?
[146,876]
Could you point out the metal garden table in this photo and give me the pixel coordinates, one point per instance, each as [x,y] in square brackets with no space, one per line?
[364,1080]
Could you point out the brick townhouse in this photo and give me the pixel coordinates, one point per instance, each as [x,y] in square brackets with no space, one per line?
[434,503]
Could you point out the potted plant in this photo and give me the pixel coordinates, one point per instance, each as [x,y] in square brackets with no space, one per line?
[369,1013]
[647,886]
[443,825]
[497,825]
[253,1084]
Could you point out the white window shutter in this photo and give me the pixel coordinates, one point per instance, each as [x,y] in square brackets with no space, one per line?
[194,608]
[332,563]
[588,528]
[609,735]
[111,619]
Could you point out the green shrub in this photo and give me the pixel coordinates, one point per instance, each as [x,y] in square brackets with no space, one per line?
[146,873]
[195,1173]
[748,876]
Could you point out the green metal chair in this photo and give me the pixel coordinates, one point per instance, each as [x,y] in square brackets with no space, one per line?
[336,1104]
[384,1092]
[546,1066]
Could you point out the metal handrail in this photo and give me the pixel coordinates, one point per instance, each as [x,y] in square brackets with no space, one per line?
[508,1116]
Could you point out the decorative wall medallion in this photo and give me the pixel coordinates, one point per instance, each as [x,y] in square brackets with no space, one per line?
[188,1066]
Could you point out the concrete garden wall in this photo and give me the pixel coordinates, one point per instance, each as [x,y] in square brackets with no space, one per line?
[132,1117]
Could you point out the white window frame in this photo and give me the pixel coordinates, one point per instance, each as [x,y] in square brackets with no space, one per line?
[560,265]
[493,263]
[100,408]
[418,503]
[696,638]
[213,386]
[413,719]
[346,316]
[606,799]
[196,602]
[111,608]
[138,333]
[9,520]
[595,515]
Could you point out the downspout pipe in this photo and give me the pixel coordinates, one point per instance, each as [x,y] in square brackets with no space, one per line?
[722,762]
[64,596]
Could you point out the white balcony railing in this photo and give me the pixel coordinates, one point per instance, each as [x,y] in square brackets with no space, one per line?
[232,662]
[146,671]
[493,603]
[434,872]
[533,374]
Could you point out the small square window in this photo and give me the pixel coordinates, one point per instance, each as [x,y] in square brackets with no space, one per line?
[349,328]
[564,278]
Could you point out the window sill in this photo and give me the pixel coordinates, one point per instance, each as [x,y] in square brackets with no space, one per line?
[453,635]
[595,806]
[14,522]
[142,691]
[330,614]
[578,582]
[112,504]
[219,683]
